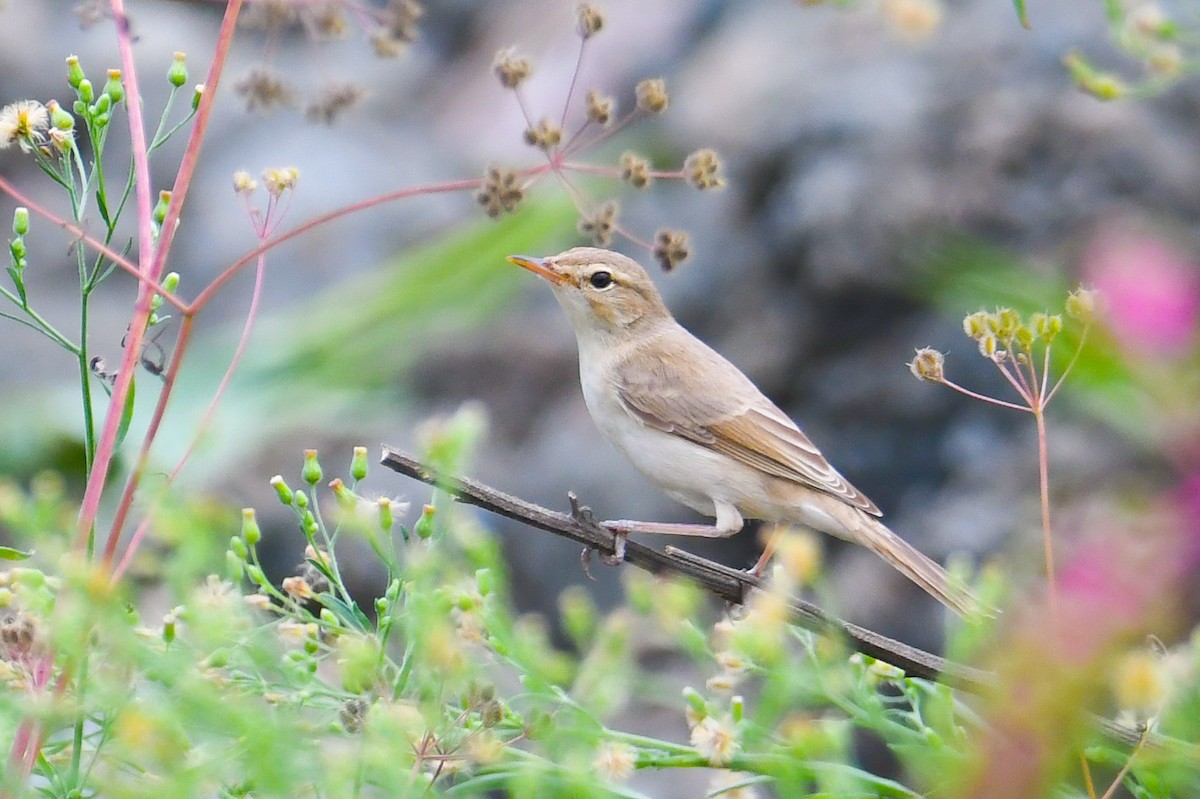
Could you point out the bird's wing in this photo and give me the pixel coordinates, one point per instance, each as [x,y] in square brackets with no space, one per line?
[679,396]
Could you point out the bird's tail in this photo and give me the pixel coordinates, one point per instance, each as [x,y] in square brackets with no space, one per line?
[914,565]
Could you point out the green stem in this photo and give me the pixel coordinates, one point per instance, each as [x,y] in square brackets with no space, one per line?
[85,384]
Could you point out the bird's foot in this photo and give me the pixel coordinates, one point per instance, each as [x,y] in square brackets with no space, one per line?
[584,517]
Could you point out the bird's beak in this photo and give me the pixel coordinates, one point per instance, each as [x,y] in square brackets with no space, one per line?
[539,266]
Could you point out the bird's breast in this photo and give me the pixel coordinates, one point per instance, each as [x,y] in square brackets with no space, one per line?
[686,471]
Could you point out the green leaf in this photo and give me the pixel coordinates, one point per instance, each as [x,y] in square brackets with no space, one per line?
[8,553]
[126,415]
[1022,14]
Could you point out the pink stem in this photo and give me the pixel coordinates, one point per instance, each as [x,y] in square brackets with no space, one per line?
[191,154]
[79,233]
[135,475]
[204,423]
[984,397]
[401,194]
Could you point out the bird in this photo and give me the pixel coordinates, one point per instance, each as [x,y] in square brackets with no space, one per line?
[698,428]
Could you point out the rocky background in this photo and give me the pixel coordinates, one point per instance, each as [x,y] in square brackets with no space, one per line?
[859,141]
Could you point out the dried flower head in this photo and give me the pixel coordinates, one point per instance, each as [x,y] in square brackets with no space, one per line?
[89,12]
[353,713]
[652,95]
[545,134]
[397,28]
[326,21]
[928,364]
[715,741]
[332,101]
[245,184]
[702,169]
[588,20]
[671,248]
[297,588]
[615,761]
[635,170]
[264,89]
[511,68]
[270,15]
[62,140]
[600,225]
[23,123]
[17,635]
[976,324]
[599,107]
[501,192]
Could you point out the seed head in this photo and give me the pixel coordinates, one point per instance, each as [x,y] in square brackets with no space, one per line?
[545,134]
[397,28]
[600,225]
[702,169]
[599,107]
[1083,304]
[652,95]
[928,364]
[332,101]
[588,20]
[501,191]
[976,324]
[510,68]
[277,182]
[635,170]
[671,248]
[1024,338]
[264,89]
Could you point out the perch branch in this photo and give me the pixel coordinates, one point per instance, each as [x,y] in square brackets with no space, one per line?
[732,585]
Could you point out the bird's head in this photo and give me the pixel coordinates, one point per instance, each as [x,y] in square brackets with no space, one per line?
[603,292]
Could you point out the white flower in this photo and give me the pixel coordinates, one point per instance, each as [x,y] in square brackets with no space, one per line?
[715,741]
[727,785]
[615,761]
[24,123]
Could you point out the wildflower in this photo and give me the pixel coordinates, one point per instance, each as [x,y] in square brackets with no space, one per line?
[652,95]
[353,713]
[327,21]
[545,134]
[615,761]
[732,662]
[297,588]
[701,169]
[600,225]
[799,553]
[913,20]
[510,68]
[599,107]
[270,15]
[1139,682]
[670,248]
[721,683]
[635,170]
[928,364]
[333,100]
[23,123]
[1082,305]
[17,634]
[715,741]
[277,182]
[244,184]
[501,191]
[258,601]
[398,28]
[265,89]
[294,633]
[588,20]
[62,140]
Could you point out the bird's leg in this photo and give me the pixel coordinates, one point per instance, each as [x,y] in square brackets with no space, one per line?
[584,517]
[765,558]
[729,521]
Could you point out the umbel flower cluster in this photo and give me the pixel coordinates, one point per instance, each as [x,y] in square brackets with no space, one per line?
[504,188]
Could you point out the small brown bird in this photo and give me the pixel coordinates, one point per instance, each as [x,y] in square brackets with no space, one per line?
[698,428]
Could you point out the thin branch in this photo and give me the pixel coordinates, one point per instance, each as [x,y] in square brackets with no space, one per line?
[732,585]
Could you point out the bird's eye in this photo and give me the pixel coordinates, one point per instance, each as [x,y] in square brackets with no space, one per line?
[600,280]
